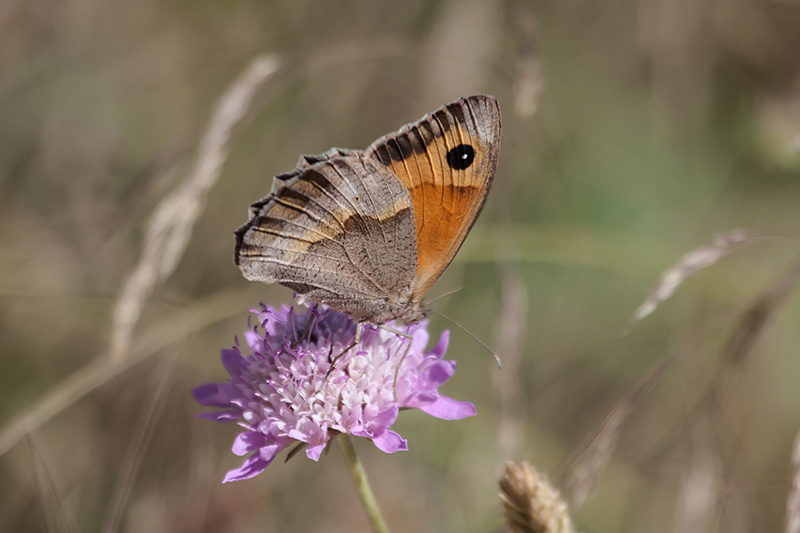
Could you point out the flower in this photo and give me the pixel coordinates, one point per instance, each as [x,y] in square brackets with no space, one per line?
[282,389]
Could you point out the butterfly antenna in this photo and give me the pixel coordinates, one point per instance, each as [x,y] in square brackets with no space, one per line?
[476,339]
[445,294]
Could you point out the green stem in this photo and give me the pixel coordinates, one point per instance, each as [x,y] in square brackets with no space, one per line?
[362,485]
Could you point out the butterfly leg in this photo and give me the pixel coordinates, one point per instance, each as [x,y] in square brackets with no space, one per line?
[307,329]
[359,329]
[406,337]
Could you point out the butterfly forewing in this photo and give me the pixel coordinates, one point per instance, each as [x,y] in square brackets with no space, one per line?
[447,161]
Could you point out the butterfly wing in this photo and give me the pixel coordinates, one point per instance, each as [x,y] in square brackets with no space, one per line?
[338,229]
[447,161]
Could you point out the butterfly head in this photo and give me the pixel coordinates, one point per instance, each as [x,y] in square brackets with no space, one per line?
[403,307]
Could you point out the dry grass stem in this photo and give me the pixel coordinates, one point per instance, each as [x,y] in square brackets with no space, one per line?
[529,82]
[140,440]
[755,318]
[190,319]
[510,327]
[531,503]
[581,478]
[57,515]
[689,265]
[700,489]
[702,483]
[793,502]
[447,39]
[170,227]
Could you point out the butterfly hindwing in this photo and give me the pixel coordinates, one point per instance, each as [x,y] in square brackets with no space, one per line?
[338,229]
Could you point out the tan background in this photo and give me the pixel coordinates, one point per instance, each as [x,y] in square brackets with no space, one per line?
[634,131]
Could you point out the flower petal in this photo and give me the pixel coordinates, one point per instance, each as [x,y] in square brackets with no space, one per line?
[389,415]
[313,452]
[251,467]
[436,375]
[380,422]
[249,441]
[449,409]
[420,399]
[233,362]
[268,452]
[439,350]
[215,394]
[420,333]
[221,416]
[390,442]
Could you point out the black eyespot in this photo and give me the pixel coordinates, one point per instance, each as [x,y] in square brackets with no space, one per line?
[461,157]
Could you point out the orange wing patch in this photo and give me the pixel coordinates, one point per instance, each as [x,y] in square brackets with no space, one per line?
[447,161]
[443,219]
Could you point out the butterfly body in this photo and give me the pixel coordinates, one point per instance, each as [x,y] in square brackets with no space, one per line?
[369,232]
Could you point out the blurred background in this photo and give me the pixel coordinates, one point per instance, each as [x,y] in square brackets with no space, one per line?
[634,131]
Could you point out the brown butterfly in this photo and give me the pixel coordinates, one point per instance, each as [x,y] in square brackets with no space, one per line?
[369,232]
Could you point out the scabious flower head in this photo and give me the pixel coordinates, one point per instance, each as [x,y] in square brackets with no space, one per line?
[282,389]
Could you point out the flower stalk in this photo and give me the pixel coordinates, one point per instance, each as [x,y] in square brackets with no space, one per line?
[359,476]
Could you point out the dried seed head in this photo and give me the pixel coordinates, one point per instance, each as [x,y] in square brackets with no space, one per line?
[531,503]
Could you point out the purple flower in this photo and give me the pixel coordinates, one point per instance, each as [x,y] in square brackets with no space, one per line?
[279,393]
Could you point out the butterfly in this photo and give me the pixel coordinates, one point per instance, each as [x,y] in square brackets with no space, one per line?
[369,232]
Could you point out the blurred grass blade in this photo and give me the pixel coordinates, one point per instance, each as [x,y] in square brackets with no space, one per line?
[170,227]
[510,327]
[55,509]
[793,502]
[581,478]
[531,503]
[754,319]
[529,81]
[689,265]
[700,487]
[139,443]
[172,328]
